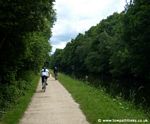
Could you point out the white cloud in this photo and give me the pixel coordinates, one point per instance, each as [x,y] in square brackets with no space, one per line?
[77,16]
[60,45]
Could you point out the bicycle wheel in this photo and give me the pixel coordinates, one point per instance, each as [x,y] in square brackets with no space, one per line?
[55,76]
[44,85]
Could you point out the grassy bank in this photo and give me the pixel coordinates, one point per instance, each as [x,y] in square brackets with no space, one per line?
[98,106]
[15,111]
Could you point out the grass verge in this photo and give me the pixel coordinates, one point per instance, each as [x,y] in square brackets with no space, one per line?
[99,107]
[16,111]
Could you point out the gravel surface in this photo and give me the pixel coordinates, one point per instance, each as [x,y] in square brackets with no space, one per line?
[55,106]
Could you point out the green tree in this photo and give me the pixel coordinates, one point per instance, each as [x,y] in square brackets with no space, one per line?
[25,27]
[17,20]
[136,37]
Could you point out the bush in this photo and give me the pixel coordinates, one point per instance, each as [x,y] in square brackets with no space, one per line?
[10,93]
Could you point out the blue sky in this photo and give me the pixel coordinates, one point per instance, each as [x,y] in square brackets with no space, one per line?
[77,16]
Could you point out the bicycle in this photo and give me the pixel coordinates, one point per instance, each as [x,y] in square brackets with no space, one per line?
[44,84]
[55,75]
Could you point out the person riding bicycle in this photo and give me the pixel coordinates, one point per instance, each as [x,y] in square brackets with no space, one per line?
[55,72]
[44,74]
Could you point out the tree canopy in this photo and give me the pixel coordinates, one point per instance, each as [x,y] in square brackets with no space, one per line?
[25,27]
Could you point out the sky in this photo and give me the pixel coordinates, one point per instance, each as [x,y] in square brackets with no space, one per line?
[77,16]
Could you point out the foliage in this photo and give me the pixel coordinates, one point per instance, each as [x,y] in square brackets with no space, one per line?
[15,111]
[136,37]
[116,50]
[24,33]
[36,44]
[21,22]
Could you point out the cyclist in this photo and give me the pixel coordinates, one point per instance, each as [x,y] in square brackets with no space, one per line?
[44,75]
[55,72]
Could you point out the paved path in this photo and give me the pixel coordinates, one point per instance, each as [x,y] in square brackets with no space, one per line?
[55,106]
